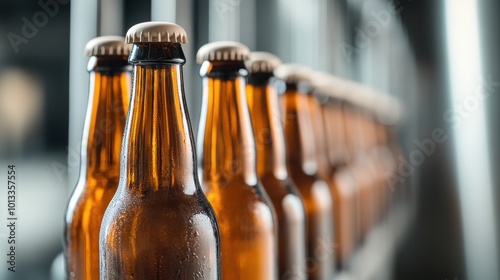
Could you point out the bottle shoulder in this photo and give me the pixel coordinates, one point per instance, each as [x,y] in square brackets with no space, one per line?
[241,202]
[236,190]
[156,216]
[313,188]
[90,196]
[168,200]
[278,188]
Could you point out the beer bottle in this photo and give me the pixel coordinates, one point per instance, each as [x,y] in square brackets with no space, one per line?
[374,107]
[228,170]
[330,91]
[303,168]
[375,165]
[318,125]
[392,154]
[159,224]
[334,90]
[388,148]
[100,154]
[263,103]
[384,109]
[357,145]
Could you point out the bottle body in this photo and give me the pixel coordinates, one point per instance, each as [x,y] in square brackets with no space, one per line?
[167,235]
[227,159]
[159,224]
[315,192]
[342,184]
[362,173]
[248,234]
[99,172]
[271,166]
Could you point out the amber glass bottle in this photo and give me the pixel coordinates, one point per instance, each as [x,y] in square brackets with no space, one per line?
[341,177]
[392,154]
[303,169]
[159,224]
[227,160]
[100,157]
[387,110]
[356,139]
[388,118]
[263,103]
[320,135]
[375,164]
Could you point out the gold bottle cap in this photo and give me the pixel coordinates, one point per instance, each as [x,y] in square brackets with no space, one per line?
[156,32]
[262,62]
[293,73]
[222,51]
[107,45]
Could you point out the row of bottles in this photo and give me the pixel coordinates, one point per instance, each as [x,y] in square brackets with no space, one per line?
[288,177]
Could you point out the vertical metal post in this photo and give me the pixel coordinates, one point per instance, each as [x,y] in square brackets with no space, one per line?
[164,10]
[111,17]
[248,26]
[469,90]
[223,18]
[84,19]
[182,13]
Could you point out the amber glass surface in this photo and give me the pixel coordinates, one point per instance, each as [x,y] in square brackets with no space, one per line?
[100,164]
[361,170]
[364,173]
[316,195]
[227,160]
[386,153]
[320,138]
[377,166]
[393,154]
[337,146]
[343,187]
[271,168]
[159,224]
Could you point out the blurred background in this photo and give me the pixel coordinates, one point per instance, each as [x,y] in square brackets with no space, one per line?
[439,58]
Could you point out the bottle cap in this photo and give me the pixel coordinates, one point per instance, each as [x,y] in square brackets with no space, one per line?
[293,73]
[359,96]
[107,45]
[330,86]
[262,62]
[156,32]
[390,110]
[223,51]
[385,108]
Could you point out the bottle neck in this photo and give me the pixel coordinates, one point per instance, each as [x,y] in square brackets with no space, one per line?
[106,113]
[270,141]
[226,143]
[298,132]
[352,129]
[318,126]
[370,126]
[365,132]
[158,150]
[335,130]
[382,139]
